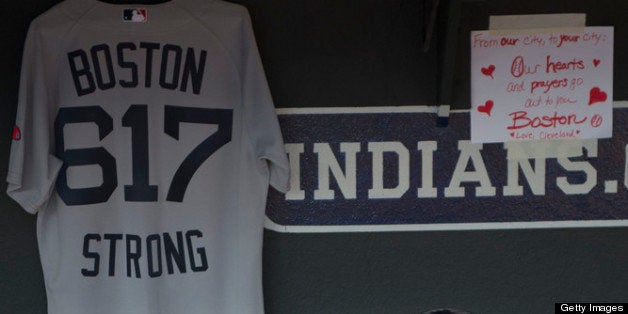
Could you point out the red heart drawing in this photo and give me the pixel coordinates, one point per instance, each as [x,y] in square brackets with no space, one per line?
[596,62]
[488,71]
[512,134]
[486,108]
[577,131]
[596,95]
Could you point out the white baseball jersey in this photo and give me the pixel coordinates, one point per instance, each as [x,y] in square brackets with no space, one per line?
[147,140]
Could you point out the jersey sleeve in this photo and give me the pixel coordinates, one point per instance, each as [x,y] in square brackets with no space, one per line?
[260,119]
[32,167]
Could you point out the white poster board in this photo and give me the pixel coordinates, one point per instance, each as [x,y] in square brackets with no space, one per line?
[541,84]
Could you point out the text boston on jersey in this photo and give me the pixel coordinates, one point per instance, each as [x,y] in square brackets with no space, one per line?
[101,73]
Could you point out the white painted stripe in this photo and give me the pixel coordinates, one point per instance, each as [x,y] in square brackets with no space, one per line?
[527,21]
[271,225]
[341,110]
[386,109]
[620,104]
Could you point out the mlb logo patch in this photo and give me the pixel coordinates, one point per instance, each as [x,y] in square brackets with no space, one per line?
[134,15]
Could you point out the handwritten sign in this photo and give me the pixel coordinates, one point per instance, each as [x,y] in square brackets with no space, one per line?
[542,84]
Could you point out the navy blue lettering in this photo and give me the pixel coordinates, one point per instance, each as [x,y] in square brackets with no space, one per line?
[174,116]
[149,255]
[176,253]
[88,254]
[194,71]
[201,251]
[140,191]
[151,262]
[112,251]
[150,47]
[127,65]
[133,256]
[165,60]
[136,118]
[77,73]
[85,156]
[111,80]
[96,70]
